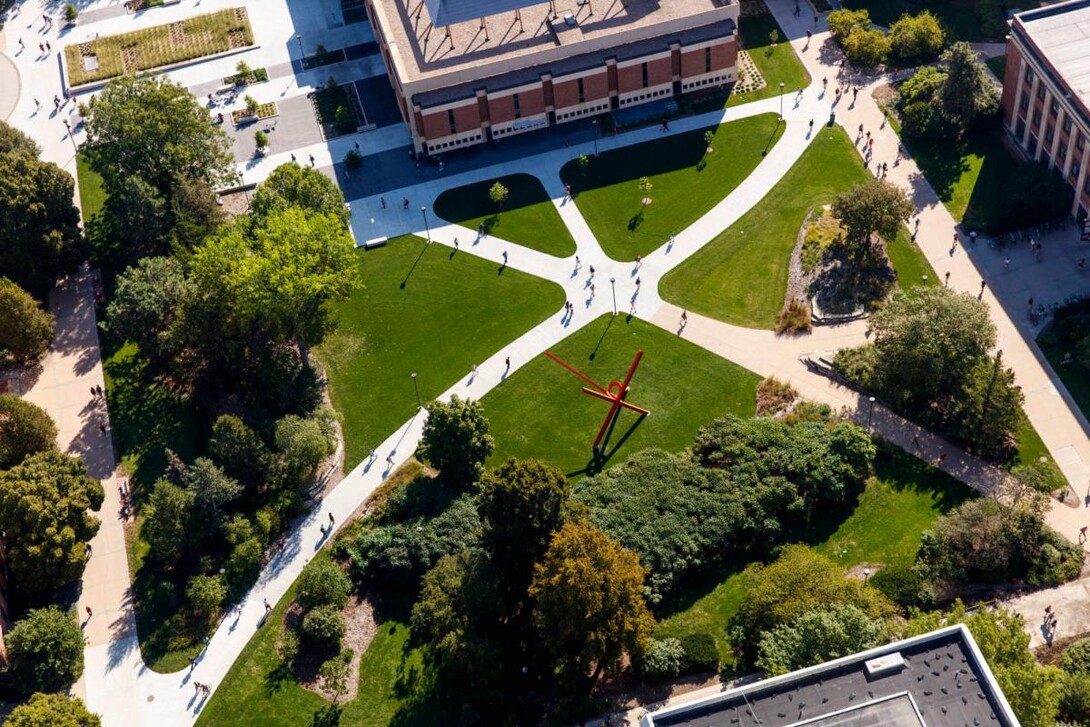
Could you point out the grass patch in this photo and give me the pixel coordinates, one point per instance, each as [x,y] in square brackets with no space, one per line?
[687,182]
[427,310]
[160,45]
[741,276]
[864,533]
[540,412]
[92,197]
[528,217]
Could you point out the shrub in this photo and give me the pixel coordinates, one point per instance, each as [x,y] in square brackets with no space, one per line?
[1076,658]
[243,565]
[25,329]
[662,660]
[52,710]
[25,429]
[322,630]
[206,594]
[794,318]
[1043,477]
[343,119]
[71,12]
[323,583]
[251,105]
[701,653]
[843,23]
[1075,698]
[45,651]
[903,586]
[456,440]
[915,38]
[353,159]
[817,636]
[261,140]
[774,396]
[866,47]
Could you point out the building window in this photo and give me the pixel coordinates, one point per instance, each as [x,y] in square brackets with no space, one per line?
[450,120]
[708,60]
[1050,134]
[515,101]
[1031,147]
[1055,108]
[1067,125]
[1021,128]
[1082,141]
[643,71]
[1061,155]
[1041,92]
[1076,167]
[1086,187]
[1029,76]
[1024,104]
[579,85]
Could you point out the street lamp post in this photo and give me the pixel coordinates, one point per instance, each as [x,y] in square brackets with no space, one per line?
[781,100]
[416,388]
[302,55]
[866,574]
[613,287]
[427,230]
[71,138]
[594,122]
[870,414]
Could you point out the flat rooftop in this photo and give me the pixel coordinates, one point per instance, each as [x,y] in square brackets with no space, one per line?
[549,31]
[1061,33]
[935,680]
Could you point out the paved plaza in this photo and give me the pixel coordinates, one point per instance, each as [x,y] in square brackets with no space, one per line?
[117,685]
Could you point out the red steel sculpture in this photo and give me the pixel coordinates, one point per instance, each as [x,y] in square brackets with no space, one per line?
[614,393]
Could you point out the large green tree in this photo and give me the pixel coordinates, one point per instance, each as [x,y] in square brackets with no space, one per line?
[44,504]
[874,207]
[25,329]
[456,440]
[818,636]
[39,226]
[14,141]
[916,37]
[52,710]
[293,185]
[25,429]
[166,521]
[45,650]
[148,298]
[967,93]
[589,608]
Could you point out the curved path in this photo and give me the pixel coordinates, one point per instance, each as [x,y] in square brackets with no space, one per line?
[121,688]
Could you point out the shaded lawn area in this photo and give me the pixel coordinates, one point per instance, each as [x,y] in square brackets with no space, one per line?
[741,275]
[960,20]
[92,196]
[527,218]
[998,66]
[259,691]
[882,527]
[454,311]
[541,412]
[608,195]
[776,64]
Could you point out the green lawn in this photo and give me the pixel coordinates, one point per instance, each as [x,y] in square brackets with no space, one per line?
[883,527]
[259,691]
[741,275]
[528,217]
[91,194]
[541,412]
[609,197]
[427,310]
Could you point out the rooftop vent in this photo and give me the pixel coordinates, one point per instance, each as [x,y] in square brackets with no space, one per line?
[569,19]
[883,665]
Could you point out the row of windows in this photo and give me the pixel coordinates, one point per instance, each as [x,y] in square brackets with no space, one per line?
[439,146]
[721,78]
[582,112]
[647,96]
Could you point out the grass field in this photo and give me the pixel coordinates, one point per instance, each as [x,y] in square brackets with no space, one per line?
[741,276]
[608,195]
[867,533]
[427,310]
[541,412]
[528,217]
[91,194]
[160,45]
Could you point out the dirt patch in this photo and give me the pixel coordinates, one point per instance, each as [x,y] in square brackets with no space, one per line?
[235,203]
[624,693]
[360,630]
[885,95]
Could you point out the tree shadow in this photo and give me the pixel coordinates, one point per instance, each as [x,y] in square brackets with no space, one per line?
[276,677]
[329,716]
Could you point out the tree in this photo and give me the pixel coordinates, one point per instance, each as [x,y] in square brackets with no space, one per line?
[147,301]
[456,440]
[967,93]
[874,207]
[166,521]
[797,582]
[1074,698]
[818,636]
[240,452]
[13,141]
[916,37]
[662,659]
[39,227]
[522,505]
[322,630]
[25,429]
[498,194]
[304,443]
[195,212]
[206,594]
[645,190]
[138,212]
[153,129]
[279,278]
[45,651]
[294,185]
[1076,658]
[322,583]
[334,674]
[212,490]
[988,414]
[52,710]
[44,503]
[866,47]
[843,23]
[589,601]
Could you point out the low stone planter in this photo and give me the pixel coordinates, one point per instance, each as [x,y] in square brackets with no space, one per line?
[264,111]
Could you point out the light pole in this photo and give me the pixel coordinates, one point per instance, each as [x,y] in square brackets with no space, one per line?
[416,388]
[302,55]
[595,124]
[866,574]
[870,414]
[71,138]
[613,287]
[781,100]
[427,230]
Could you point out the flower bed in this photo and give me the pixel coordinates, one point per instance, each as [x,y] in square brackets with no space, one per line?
[264,111]
[257,75]
[158,46]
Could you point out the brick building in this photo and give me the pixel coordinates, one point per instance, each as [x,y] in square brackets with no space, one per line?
[1046,92]
[471,71]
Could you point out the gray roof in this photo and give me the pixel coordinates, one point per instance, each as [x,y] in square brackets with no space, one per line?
[449,12]
[1061,33]
[944,682]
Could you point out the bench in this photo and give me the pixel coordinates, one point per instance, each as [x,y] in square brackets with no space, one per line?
[373,243]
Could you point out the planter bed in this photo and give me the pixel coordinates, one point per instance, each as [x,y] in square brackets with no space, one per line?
[158,46]
[257,75]
[264,111]
[325,59]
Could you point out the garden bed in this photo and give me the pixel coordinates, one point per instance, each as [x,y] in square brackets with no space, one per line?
[327,104]
[257,75]
[323,57]
[158,46]
[244,116]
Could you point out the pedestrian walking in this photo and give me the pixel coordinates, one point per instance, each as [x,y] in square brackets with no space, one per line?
[41,47]
[473,372]
[1007,263]
[637,283]
[811,124]
[972,237]
[671,240]
[94,392]
[578,264]
[267,606]
[456,244]
[1082,263]
[196,685]
[480,226]
[311,160]
[507,362]
[824,83]
[942,458]
[855,94]
[382,201]
[357,145]
[331,520]
[102,428]
[100,391]
[88,610]
[293,161]
[639,261]
[916,441]
[808,36]
[567,191]
[1082,533]
[591,271]
[983,285]
[22,45]
[592,291]
[371,455]
[504,257]
[48,48]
